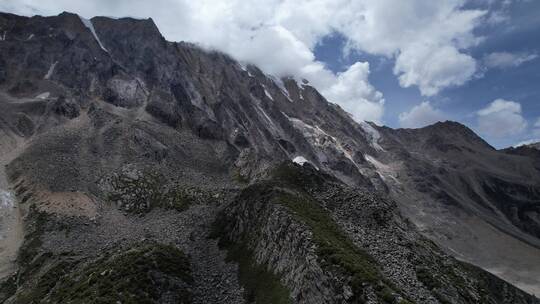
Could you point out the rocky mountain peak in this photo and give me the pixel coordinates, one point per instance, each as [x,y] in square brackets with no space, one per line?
[441,136]
[127,28]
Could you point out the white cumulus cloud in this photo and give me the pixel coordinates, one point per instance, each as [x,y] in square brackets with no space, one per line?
[503,60]
[421,115]
[355,94]
[426,38]
[501,118]
[536,128]
[433,69]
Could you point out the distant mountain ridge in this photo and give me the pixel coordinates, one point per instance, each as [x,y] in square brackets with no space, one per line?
[534,145]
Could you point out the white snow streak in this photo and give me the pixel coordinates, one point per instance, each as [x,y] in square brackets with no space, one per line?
[242,66]
[373,135]
[43,95]
[267,93]
[319,138]
[273,126]
[382,169]
[50,71]
[6,199]
[279,83]
[375,162]
[90,26]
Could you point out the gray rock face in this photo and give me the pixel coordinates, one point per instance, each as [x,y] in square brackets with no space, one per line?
[83,99]
[467,196]
[449,163]
[183,87]
[292,254]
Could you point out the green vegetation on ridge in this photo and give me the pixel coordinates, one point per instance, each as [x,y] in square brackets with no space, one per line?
[334,248]
[287,187]
[137,275]
[261,286]
[146,273]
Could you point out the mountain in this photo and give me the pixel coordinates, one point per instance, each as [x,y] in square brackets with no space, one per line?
[141,170]
[534,145]
[529,149]
[479,203]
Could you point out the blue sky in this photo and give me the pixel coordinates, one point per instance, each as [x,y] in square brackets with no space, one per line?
[519,34]
[398,63]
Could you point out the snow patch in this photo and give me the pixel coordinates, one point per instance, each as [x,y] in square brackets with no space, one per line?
[43,95]
[302,88]
[90,26]
[267,93]
[279,83]
[50,71]
[273,128]
[300,160]
[372,134]
[319,138]
[375,162]
[3,37]
[7,199]
[382,169]
[314,134]
[30,37]
[243,66]
[271,123]
[263,112]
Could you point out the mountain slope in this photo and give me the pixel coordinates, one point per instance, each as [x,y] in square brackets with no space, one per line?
[479,203]
[120,137]
[370,254]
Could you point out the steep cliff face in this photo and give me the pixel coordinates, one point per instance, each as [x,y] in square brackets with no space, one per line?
[139,73]
[107,123]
